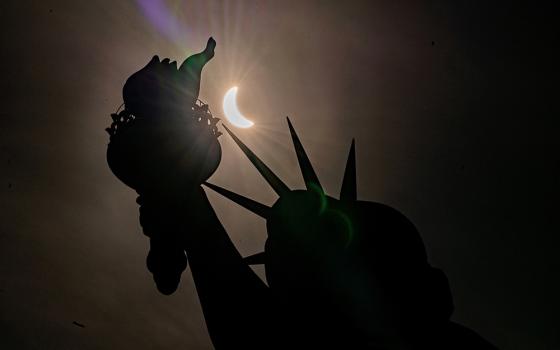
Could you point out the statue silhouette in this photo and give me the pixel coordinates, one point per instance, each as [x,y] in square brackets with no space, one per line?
[342,273]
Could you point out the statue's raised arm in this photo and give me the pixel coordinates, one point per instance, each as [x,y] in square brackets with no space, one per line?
[164,144]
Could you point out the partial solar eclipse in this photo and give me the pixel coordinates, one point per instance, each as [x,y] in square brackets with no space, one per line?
[232,112]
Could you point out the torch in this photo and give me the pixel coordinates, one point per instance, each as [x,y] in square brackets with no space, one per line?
[164,145]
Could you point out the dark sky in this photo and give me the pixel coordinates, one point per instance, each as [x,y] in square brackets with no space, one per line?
[451,105]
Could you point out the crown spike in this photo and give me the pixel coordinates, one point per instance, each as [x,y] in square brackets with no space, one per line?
[309,175]
[277,185]
[348,191]
[247,203]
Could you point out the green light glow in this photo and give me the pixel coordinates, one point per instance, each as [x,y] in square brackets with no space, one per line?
[349,227]
[322,197]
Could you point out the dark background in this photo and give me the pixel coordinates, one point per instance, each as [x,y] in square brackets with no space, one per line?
[454,110]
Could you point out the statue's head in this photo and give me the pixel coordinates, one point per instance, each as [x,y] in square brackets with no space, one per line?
[329,253]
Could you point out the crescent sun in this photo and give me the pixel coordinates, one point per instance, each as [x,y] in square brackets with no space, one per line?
[232,112]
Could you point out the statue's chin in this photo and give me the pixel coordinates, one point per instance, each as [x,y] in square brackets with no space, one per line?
[160,155]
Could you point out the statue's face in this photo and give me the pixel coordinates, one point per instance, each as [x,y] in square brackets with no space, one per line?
[329,257]
[308,234]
